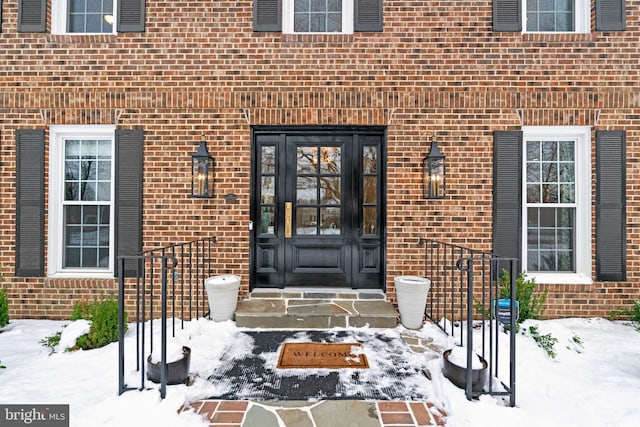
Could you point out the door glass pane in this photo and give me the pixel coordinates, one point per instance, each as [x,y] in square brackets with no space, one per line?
[268,189]
[370,189]
[330,221]
[306,190]
[330,193]
[330,160]
[267,220]
[268,160]
[370,220]
[306,221]
[307,160]
[369,160]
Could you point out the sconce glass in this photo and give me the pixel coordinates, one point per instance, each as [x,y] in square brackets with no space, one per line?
[434,173]
[202,172]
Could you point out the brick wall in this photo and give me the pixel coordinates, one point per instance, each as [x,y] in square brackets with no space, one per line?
[198,69]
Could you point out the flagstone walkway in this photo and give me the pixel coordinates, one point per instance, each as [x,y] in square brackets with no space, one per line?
[326,413]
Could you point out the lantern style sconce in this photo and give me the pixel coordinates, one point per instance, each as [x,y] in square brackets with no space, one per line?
[202,172]
[433,173]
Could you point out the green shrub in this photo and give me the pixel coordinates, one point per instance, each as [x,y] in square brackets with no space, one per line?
[104,322]
[546,342]
[4,308]
[531,304]
[51,342]
[632,314]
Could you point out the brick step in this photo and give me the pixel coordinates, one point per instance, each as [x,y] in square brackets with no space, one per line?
[315,309]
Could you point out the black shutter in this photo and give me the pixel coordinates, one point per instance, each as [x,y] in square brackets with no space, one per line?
[368,15]
[29,203]
[128,218]
[0,16]
[507,194]
[267,15]
[32,16]
[507,15]
[611,15]
[131,16]
[611,255]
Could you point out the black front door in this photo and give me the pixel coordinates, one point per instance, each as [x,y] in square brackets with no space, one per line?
[317,208]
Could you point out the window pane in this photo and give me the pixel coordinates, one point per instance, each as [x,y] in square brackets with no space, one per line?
[370,220]
[370,189]
[317,16]
[550,239]
[330,221]
[307,190]
[267,220]
[369,160]
[306,221]
[268,189]
[330,193]
[307,158]
[76,6]
[330,160]
[86,234]
[268,159]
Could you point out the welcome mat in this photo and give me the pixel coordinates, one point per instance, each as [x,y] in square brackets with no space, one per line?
[321,355]
[248,369]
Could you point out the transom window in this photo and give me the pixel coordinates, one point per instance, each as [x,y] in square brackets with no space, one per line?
[557,210]
[317,16]
[81,199]
[83,16]
[557,16]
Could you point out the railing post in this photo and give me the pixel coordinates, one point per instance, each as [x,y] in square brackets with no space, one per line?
[469,372]
[163,329]
[121,384]
[512,336]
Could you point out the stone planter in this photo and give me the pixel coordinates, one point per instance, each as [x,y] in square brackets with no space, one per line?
[222,292]
[458,374]
[177,372]
[411,292]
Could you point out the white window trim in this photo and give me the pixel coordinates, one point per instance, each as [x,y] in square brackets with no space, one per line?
[582,136]
[57,135]
[347,18]
[582,19]
[59,18]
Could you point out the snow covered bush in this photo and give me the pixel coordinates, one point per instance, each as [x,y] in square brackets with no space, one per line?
[531,303]
[103,316]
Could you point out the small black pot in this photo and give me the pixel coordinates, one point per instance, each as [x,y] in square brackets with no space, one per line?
[177,372]
[458,375]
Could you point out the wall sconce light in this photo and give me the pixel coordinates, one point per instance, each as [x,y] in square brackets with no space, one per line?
[202,172]
[433,173]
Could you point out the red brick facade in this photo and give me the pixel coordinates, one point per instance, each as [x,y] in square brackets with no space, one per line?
[437,68]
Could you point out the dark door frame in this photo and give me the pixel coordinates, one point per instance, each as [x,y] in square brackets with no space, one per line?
[360,131]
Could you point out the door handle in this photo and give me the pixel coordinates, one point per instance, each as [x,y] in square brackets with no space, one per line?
[288,220]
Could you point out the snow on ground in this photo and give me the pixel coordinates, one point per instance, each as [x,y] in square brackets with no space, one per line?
[594,380]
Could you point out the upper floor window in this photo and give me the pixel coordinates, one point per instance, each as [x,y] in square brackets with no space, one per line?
[317,16]
[83,16]
[568,16]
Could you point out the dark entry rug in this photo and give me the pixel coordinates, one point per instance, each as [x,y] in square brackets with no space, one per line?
[248,370]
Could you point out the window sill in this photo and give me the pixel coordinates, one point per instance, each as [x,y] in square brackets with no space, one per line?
[81,274]
[559,37]
[560,278]
[315,38]
[82,38]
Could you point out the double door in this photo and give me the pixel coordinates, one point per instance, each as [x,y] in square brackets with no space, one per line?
[317,208]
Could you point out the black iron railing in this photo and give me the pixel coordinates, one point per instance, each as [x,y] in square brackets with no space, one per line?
[167,282]
[462,301]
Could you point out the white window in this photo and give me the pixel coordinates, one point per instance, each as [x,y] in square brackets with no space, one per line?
[551,16]
[557,204]
[317,16]
[83,16]
[81,194]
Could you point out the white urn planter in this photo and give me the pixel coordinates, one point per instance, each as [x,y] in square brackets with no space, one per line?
[411,292]
[222,292]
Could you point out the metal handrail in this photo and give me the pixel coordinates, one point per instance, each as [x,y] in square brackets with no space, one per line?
[464,286]
[178,282]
